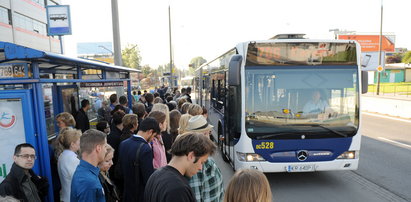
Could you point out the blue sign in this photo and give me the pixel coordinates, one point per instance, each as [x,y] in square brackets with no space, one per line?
[58,20]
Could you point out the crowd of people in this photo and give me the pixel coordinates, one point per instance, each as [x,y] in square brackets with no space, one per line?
[159,150]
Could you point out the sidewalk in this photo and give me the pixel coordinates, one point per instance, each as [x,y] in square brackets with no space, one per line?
[395,96]
[398,106]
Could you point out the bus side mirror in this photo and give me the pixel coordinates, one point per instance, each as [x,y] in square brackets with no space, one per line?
[364,84]
[234,70]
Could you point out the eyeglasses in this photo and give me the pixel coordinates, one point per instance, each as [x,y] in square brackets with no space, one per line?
[27,156]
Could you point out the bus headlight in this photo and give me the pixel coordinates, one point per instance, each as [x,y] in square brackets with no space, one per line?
[249,157]
[347,155]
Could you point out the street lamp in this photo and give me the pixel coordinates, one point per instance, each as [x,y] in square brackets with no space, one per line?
[105,48]
[335,32]
[379,53]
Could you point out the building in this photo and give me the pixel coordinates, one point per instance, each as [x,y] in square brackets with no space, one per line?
[395,73]
[24,22]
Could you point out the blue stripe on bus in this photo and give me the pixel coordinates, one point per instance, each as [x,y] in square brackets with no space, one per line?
[286,150]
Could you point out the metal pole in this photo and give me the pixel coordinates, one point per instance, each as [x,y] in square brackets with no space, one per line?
[116,33]
[61,44]
[171,51]
[379,55]
[12,29]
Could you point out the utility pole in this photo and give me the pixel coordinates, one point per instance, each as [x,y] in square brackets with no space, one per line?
[171,51]
[116,33]
[379,55]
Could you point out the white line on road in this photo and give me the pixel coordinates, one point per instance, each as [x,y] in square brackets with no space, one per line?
[387,117]
[395,142]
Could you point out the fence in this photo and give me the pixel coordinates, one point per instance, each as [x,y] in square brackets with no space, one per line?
[391,89]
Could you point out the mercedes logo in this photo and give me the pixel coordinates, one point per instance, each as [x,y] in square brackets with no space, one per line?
[302,155]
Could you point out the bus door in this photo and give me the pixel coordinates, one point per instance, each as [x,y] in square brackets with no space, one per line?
[17,125]
[232,123]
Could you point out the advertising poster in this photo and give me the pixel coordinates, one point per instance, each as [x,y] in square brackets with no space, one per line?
[371,43]
[369,60]
[11,132]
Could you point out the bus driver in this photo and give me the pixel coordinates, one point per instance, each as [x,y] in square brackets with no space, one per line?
[316,105]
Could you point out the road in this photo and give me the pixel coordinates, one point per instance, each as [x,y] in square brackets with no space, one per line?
[384,172]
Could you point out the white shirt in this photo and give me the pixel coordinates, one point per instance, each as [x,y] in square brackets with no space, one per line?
[315,108]
[66,165]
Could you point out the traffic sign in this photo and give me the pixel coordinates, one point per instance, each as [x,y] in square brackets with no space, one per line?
[380,68]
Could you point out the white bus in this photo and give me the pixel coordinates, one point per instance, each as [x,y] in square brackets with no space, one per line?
[286,105]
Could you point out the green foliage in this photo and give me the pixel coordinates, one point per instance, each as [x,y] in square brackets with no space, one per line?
[196,62]
[146,69]
[396,58]
[407,57]
[131,56]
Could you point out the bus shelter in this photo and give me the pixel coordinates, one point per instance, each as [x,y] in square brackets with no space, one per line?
[35,86]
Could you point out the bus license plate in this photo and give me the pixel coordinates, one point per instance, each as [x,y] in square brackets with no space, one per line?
[300,168]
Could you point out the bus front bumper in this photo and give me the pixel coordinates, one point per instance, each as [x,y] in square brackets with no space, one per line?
[268,167]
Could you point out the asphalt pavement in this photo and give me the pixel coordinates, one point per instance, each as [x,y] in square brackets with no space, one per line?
[384,172]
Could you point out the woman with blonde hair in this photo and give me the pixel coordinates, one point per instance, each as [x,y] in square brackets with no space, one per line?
[65,120]
[195,109]
[248,185]
[183,123]
[110,191]
[68,143]
[163,108]
[184,108]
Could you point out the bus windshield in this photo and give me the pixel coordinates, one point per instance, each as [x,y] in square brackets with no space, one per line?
[301,101]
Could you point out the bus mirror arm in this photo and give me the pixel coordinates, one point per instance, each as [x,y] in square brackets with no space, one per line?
[364,84]
[234,70]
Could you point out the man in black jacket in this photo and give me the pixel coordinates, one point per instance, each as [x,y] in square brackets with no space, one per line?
[22,183]
[113,139]
[82,121]
[136,160]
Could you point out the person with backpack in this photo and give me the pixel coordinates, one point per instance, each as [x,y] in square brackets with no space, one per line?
[135,164]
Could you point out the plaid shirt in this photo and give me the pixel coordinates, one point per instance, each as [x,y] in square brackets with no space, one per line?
[208,184]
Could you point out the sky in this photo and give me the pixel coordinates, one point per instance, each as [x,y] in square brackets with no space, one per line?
[208,28]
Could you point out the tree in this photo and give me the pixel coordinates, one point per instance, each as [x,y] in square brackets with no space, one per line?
[131,56]
[146,69]
[161,69]
[396,58]
[196,62]
[407,57]
[166,69]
